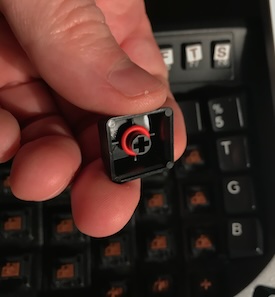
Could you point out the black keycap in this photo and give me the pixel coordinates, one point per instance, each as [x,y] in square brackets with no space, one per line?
[115,289]
[245,238]
[197,199]
[156,202]
[161,285]
[70,272]
[192,116]
[203,243]
[193,158]
[227,114]
[233,153]
[160,246]
[238,195]
[115,252]
[17,226]
[16,273]
[64,231]
[207,284]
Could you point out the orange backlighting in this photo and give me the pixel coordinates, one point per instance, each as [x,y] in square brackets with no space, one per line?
[206,284]
[115,292]
[11,269]
[156,200]
[65,271]
[194,157]
[198,198]
[13,224]
[113,249]
[203,242]
[159,243]
[161,285]
[65,226]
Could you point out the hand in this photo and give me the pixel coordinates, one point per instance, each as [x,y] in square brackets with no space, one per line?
[63,63]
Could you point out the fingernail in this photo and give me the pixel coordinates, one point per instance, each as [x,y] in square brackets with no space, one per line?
[132,81]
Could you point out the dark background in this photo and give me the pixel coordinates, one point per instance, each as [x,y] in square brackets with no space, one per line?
[175,13]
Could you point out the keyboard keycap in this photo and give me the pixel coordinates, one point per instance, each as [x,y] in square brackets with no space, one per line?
[203,243]
[238,195]
[233,153]
[193,158]
[161,285]
[69,272]
[245,238]
[17,274]
[63,230]
[115,252]
[207,284]
[160,246]
[197,199]
[227,114]
[19,226]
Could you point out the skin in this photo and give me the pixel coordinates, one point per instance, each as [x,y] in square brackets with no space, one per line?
[63,64]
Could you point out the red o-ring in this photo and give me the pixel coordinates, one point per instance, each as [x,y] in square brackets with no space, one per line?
[136,129]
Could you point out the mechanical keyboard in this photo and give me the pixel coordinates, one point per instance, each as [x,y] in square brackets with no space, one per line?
[204,229]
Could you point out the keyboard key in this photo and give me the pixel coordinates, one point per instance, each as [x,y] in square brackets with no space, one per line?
[245,238]
[11,270]
[161,285]
[16,273]
[193,158]
[156,202]
[114,252]
[160,246]
[238,195]
[17,226]
[192,56]
[203,243]
[167,53]
[70,272]
[64,231]
[227,114]
[192,116]
[207,284]
[222,57]
[115,289]
[233,153]
[197,199]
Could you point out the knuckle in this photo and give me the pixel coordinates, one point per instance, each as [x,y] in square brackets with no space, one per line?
[73,19]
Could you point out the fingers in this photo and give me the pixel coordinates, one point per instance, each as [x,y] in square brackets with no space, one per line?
[9,136]
[43,168]
[14,63]
[73,49]
[27,102]
[139,43]
[49,157]
[101,207]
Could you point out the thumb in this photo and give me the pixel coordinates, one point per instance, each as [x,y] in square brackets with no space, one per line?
[74,51]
